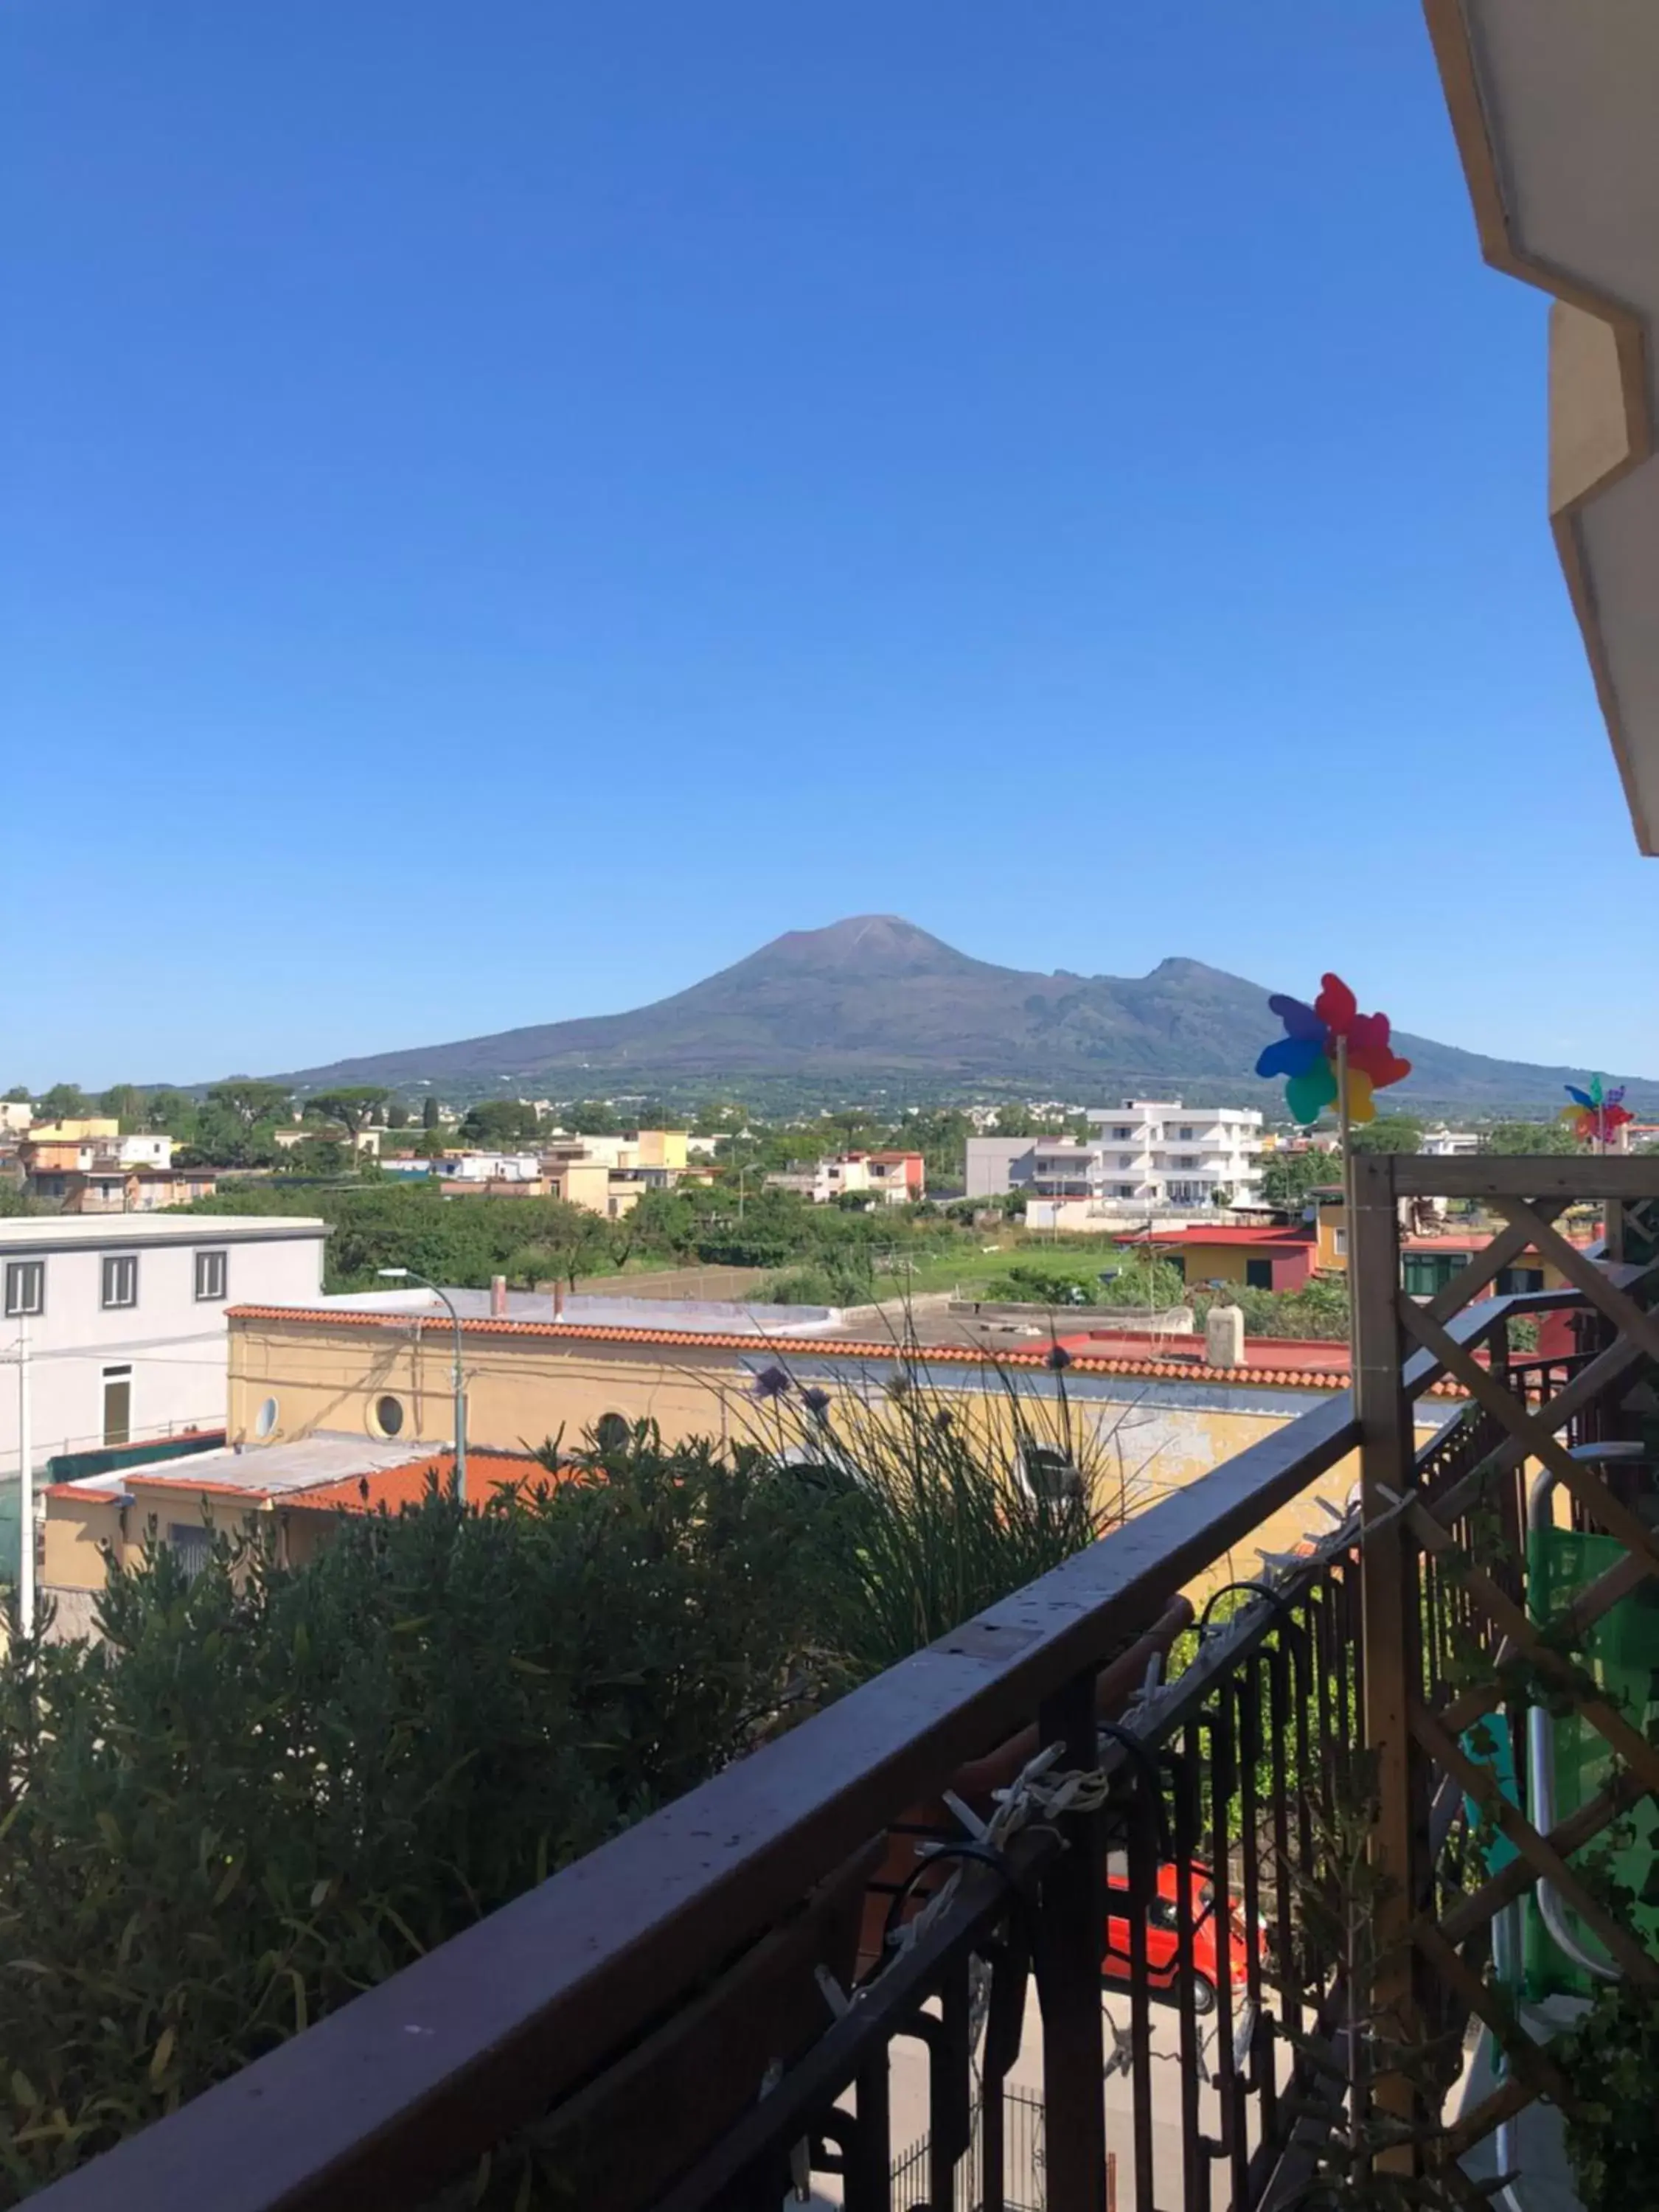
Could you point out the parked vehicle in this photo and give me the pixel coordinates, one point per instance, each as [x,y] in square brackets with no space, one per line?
[1214,1954]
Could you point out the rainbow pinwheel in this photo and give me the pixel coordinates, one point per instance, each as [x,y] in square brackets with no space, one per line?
[1595,1113]
[1319,1038]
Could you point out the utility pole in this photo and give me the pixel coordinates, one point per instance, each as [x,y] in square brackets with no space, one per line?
[408,1274]
[25,1488]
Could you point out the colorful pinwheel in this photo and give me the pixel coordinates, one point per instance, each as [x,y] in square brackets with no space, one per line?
[1320,1038]
[1595,1114]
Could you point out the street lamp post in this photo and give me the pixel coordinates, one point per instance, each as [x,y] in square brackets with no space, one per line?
[409,1275]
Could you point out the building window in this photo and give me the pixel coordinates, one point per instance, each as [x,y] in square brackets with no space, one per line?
[1258,1274]
[389,1416]
[1339,1243]
[121,1279]
[264,1421]
[1121,1136]
[1124,1190]
[191,1545]
[209,1274]
[1186,1159]
[26,1287]
[1511,1280]
[612,1432]
[118,1406]
[1423,1274]
[1187,1136]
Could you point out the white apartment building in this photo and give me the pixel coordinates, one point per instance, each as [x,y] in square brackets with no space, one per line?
[1444,1143]
[1157,1150]
[83,1154]
[895,1178]
[115,1328]
[1145,1152]
[489,1167]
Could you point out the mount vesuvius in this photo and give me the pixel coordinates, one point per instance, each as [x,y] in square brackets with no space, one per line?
[876,996]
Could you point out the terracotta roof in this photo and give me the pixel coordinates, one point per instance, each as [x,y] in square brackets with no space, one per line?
[394,1487]
[816,1347]
[403,1484]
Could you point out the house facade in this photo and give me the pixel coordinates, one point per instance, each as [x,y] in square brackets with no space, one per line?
[297,1493]
[122,1324]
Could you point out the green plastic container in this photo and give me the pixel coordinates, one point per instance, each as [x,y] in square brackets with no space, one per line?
[1622,1652]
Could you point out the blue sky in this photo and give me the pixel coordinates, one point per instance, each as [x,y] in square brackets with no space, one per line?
[508,507]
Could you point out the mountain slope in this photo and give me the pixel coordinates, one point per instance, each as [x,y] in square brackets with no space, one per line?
[876,995]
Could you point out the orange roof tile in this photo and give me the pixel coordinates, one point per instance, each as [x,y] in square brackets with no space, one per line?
[395,1487]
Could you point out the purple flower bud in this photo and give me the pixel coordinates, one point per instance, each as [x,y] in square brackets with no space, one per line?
[1057,1356]
[772,1383]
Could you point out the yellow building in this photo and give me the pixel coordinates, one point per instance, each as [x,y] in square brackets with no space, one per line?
[583,1182]
[658,1148]
[102,1127]
[1151,1425]
[344,1408]
[293,1493]
[1429,1260]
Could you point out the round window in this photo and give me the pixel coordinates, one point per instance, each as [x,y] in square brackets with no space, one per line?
[264,1421]
[389,1416]
[611,1433]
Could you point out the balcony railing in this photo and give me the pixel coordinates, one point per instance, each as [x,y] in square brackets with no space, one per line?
[1129,1952]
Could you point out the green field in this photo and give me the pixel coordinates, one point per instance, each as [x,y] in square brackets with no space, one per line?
[975,1271]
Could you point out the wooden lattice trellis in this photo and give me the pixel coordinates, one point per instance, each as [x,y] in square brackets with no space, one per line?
[1403,1346]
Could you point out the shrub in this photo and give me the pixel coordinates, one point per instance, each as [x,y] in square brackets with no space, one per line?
[1141,1283]
[923,1518]
[801,1286]
[269,1787]
[1319,1310]
[1026,1284]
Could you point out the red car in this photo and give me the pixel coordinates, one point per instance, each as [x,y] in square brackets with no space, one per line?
[1210,1959]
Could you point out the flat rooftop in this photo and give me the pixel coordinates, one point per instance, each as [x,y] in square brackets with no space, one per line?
[263,1470]
[584,1310]
[61,1230]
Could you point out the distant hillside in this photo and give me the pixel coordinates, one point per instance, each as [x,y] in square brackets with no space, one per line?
[875,996]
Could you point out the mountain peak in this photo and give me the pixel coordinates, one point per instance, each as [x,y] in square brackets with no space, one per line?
[876,930]
[860,945]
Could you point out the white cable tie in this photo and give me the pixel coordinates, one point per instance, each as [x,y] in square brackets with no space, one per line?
[978,1829]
